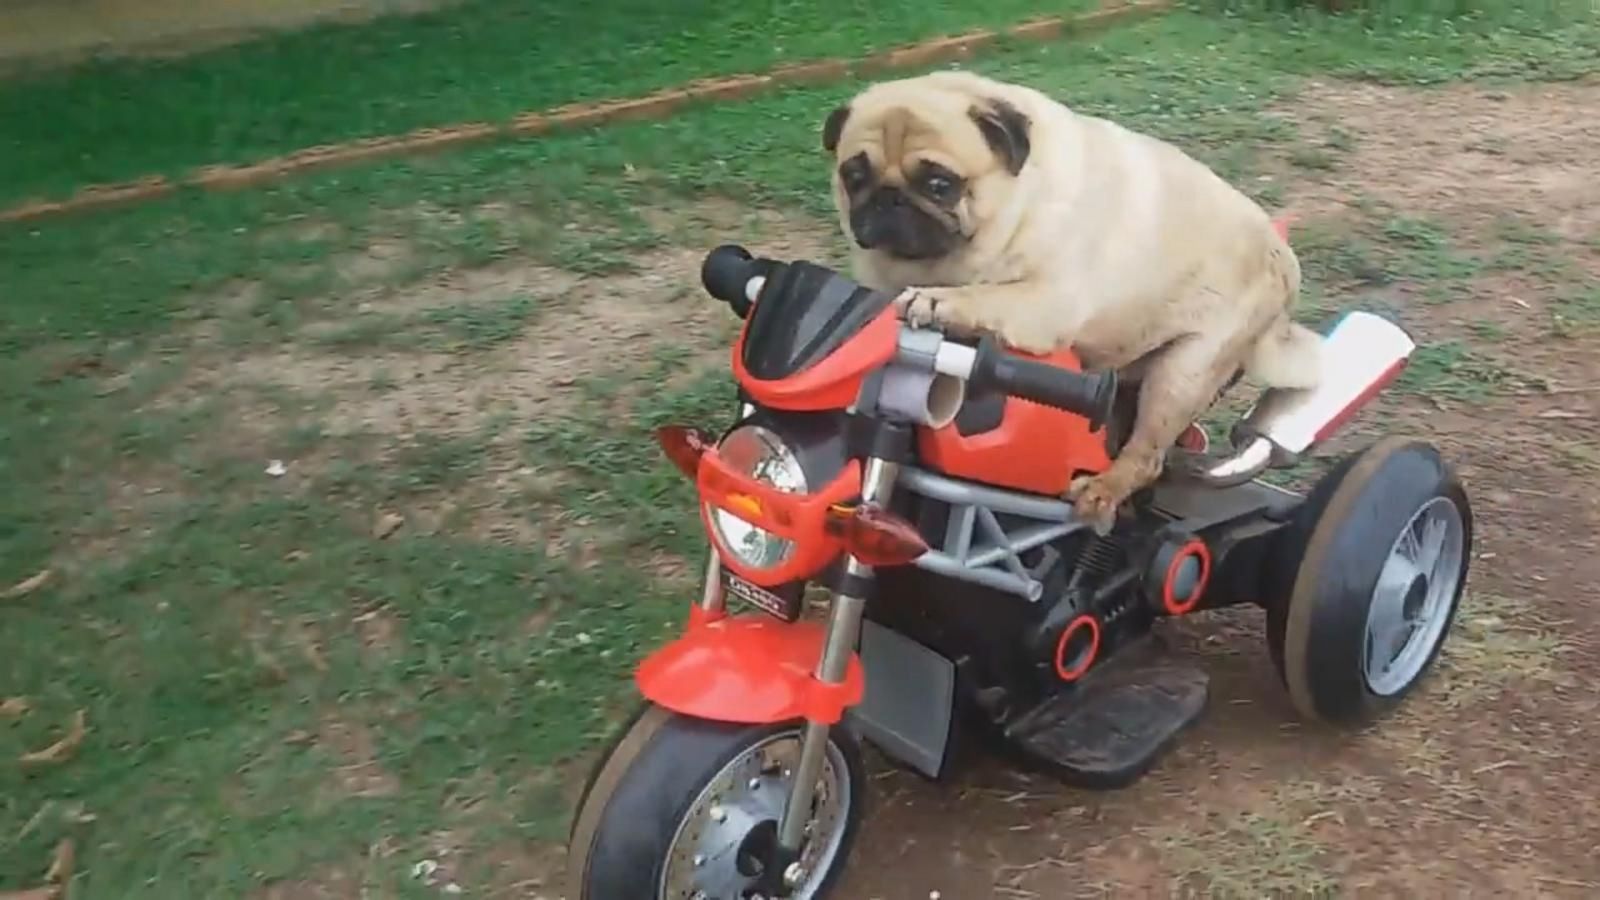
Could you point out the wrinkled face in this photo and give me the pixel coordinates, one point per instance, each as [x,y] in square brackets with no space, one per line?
[914,169]
[910,211]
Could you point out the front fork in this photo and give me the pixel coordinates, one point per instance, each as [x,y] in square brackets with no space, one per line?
[839,644]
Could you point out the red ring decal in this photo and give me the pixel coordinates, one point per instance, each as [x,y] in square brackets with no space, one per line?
[1076,672]
[1174,606]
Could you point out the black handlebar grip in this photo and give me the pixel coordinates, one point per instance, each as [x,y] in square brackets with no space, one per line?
[725,273]
[1089,394]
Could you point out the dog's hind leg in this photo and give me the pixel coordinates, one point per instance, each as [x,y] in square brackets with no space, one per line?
[1180,383]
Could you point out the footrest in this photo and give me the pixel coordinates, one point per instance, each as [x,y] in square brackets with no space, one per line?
[1112,727]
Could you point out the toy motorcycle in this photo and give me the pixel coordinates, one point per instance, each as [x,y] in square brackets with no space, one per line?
[918,479]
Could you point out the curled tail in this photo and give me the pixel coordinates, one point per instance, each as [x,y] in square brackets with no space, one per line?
[1287,355]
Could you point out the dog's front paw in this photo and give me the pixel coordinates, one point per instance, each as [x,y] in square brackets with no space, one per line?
[943,308]
[919,307]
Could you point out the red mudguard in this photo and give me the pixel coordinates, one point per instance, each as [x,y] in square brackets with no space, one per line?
[749,669]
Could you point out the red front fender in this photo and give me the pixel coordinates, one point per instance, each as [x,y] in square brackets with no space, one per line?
[748,669]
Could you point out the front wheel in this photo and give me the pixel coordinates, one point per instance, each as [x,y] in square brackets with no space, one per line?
[1367,581]
[687,809]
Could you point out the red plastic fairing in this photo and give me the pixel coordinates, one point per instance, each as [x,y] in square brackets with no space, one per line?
[749,669]
[832,383]
[1036,448]
[799,517]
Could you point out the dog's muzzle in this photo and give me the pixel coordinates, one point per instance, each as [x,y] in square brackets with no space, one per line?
[889,221]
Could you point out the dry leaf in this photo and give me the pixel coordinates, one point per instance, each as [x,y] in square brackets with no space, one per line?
[27,586]
[60,871]
[63,749]
[39,893]
[387,524]
[14,707]
[1560,414]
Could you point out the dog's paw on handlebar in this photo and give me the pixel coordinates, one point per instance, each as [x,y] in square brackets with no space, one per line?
[947,309]
[918,307]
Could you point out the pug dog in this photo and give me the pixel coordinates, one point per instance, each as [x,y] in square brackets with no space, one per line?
[990,208]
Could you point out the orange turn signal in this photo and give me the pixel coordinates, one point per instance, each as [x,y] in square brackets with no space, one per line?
[745,504]
[684,446]
[875,536]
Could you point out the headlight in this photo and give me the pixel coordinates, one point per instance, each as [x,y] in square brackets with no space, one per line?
[760,453]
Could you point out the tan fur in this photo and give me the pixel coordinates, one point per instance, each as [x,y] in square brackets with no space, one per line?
[1110,241]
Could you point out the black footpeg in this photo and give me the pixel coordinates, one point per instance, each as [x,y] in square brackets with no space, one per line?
[1112,727]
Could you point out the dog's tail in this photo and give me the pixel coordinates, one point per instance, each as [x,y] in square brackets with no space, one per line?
[1287,355]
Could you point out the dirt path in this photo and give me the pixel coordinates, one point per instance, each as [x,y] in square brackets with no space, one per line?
[1473,789]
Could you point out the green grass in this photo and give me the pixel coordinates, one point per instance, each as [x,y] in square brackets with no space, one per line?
[213,621]
[1455,371]
[191,659]
[481,60]
[1577,310]
[489,59]
[616,474]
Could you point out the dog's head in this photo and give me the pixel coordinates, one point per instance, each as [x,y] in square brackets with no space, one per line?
[921,164]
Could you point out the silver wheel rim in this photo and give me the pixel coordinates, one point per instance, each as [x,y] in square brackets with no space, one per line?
[1412,600]
[709,856]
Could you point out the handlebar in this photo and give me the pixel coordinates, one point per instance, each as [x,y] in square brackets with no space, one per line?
[731,274]
[727,274]
[1089,394]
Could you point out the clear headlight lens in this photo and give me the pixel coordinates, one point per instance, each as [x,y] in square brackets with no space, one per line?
[760,453]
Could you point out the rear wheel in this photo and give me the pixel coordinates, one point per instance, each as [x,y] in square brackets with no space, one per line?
[1367,581]
[685,808]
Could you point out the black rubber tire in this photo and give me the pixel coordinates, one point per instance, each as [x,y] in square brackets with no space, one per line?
[1283,560]
[1326,564]
[619,734]
[644,787]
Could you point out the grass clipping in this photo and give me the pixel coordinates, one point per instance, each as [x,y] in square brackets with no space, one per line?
[1253,854]
[1495,644]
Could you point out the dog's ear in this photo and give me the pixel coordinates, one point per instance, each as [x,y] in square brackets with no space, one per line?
[833,126]
[1006,129]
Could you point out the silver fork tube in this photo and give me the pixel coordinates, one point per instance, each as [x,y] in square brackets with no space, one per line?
[713,598]
[844,631]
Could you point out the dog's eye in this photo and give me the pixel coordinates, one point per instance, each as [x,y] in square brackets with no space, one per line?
[853,177]
[939,187]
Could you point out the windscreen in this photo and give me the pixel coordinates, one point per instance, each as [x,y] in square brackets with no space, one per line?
[804,313]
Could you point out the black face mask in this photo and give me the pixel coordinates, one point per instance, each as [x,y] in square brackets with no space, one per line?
[887,220]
